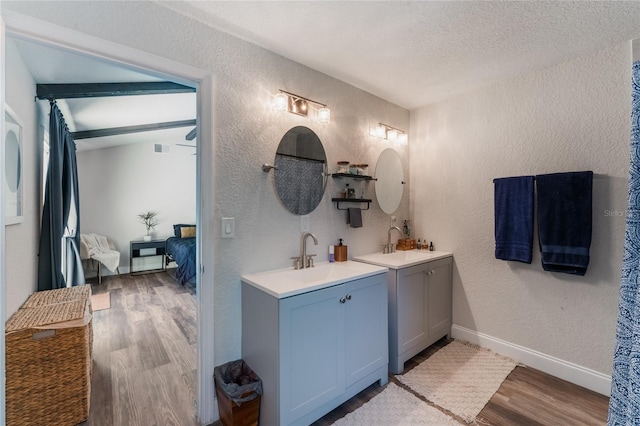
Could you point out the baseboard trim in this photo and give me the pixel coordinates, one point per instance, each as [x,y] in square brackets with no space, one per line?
[581,376]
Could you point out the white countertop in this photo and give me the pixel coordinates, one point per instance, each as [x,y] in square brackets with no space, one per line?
[288,282]
[402,259]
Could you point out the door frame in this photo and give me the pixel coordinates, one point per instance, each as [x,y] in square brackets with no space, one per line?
[35,30]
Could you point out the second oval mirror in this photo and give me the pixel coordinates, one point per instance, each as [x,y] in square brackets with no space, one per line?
[389,181]
[300,176]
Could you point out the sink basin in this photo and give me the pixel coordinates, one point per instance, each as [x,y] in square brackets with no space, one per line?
[402,259]
[283,283]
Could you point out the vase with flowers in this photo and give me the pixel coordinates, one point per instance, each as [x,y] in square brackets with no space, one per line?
[149,221]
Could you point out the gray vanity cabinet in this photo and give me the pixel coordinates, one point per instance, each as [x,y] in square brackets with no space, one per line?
[315,350]
[419,309]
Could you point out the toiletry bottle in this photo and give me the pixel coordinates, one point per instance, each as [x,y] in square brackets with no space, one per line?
[431,246]
[419,245]
[346,191]
[331,254]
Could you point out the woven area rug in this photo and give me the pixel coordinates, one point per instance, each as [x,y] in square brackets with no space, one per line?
[395,406]
[101,301]
[460,378]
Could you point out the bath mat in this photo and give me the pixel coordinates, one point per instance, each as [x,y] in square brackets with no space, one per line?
[460,378]
[395,406]
[101,301]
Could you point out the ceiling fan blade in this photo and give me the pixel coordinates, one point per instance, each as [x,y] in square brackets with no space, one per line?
[192,134]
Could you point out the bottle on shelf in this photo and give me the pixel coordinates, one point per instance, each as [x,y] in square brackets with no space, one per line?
[419,245]
[431,246]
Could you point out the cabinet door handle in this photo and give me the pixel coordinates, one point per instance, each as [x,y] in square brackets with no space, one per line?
[348,297]
[343,300]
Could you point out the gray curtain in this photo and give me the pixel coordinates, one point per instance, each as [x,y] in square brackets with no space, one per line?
[61,194]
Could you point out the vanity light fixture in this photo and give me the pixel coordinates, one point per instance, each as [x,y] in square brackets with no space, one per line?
[295,104]
[390,133]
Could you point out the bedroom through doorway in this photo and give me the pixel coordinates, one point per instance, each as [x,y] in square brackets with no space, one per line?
[141,296]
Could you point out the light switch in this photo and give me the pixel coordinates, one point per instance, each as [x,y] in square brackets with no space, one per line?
[228,227]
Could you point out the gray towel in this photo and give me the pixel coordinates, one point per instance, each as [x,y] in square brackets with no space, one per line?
[354,217]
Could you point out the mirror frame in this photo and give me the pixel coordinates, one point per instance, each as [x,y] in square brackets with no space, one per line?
[389,187]
[12,123]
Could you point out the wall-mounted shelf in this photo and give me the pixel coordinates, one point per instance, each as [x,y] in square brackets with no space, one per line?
[351,200]
[349,175]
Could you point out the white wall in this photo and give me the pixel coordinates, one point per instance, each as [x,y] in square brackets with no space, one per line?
[571,117]
[22,239]
[247,133]
[116,184]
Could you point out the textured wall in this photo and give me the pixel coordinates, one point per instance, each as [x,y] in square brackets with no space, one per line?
[22,239]
[574,116]
[117,184]
[247,134]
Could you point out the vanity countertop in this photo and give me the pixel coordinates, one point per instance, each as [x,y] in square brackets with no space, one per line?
[288,282]
[402,259]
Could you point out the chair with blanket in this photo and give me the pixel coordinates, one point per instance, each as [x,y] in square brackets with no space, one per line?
[97,248]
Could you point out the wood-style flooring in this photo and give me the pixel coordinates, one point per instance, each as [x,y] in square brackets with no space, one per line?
[526,397]
[144,353]
[144,367]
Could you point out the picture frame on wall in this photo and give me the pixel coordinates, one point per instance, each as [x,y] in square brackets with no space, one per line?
[13,167]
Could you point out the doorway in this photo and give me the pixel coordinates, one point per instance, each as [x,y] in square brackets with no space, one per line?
[28,29]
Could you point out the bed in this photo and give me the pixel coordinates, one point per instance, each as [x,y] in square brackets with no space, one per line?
[181,249]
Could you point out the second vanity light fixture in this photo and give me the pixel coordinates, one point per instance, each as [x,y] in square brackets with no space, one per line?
[390,133]
[295,104]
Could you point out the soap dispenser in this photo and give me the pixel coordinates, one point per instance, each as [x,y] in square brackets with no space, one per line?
[340,252]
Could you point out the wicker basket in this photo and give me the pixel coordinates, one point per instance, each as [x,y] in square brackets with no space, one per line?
[48,360]
[52,297]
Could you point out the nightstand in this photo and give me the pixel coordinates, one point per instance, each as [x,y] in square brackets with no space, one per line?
[141,248]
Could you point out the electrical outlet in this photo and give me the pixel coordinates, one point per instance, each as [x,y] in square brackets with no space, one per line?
[305,223]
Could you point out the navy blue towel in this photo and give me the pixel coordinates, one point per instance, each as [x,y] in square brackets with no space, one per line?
[513,204]
[564,221]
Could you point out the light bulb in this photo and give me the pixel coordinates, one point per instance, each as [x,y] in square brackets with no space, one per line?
[392,135]
[324,115]
[280,101]
[403,139]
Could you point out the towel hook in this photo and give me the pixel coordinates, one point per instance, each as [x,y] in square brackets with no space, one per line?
[267,167]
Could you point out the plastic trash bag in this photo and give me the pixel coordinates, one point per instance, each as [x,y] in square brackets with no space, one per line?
[238,381]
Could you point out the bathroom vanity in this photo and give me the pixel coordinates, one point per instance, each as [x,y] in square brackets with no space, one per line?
[315,336]
[419,300]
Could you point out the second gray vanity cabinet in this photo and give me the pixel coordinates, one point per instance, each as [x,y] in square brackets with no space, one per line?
[419,309]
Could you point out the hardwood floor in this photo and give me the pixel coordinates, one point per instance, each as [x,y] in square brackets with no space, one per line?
[144,353]
[527,397]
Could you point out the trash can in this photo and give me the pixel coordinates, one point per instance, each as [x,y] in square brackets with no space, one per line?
[238,389]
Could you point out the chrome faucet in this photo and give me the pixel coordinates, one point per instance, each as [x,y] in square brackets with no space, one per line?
[389,248]
[304,260]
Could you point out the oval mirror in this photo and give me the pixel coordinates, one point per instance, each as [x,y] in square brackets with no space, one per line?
[389,181]
[300,174]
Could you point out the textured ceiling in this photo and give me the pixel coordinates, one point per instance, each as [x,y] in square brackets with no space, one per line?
[416,53]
